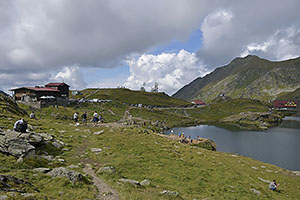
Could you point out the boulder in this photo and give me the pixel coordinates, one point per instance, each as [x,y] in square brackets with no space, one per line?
[98,132]
[130,181]
[169,193]
[145,182]
[96,150]
[64,172]
[42,170]
[107,170]
[22,144]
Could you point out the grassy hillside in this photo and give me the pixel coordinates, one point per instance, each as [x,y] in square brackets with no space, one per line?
[131,97]
[8,106]
[136,151]
[294,95]
[249,77]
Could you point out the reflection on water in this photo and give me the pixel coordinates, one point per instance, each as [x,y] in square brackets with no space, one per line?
[279,146]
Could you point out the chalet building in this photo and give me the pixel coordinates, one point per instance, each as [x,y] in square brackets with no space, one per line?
[198,102]
[43,96]
[285,105]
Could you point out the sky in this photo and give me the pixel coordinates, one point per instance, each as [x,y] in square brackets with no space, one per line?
[107,44]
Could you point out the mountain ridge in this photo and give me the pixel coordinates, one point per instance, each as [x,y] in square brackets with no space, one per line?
[248,77]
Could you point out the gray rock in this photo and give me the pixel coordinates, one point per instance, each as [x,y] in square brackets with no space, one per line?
[63,172]
[98,132]
[263,180]
[21,144]
[297,173]
[30,127]
[255,191]
[42,170]
[96,150]
[56,144]
[130,181]
[107,170]
[26,195]
[169,193]
[145,182]
[73,166]
[47,157]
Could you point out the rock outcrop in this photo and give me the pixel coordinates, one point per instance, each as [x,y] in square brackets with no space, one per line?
[64,172]
[200,142]
[23,144]
[256,120]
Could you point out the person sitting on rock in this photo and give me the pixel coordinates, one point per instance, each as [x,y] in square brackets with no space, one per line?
[32,115]
[273,185]
[20,125]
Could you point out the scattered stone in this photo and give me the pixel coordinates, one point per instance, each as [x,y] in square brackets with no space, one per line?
[145,182]
[130,181]
[30,127]
[255,191]
[263,166]
[268,170]
[233,155]
[254,168]
[62,131]
[3,197]
[297,173]
[263,180]
[60,160]
[73,166]
[57,145]
[106,170]
[47,157]
[63,172]
[98,132]
[42,170]
[171,193]
[26,195]
[96,150]
[22,144]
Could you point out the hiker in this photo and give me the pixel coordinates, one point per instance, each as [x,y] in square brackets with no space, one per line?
[84,119]
[76,118]
[273,185]
[95,118]
[20,125]
[32,115]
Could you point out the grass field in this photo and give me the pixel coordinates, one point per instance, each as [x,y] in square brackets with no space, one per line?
[138,152]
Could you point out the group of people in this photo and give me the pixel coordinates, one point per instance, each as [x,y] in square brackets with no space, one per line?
[96,118]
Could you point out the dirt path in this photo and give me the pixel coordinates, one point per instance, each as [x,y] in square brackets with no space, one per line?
[105,192]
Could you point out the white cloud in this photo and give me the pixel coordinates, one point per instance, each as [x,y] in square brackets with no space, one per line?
[170,70]
[70,75]
[283,44]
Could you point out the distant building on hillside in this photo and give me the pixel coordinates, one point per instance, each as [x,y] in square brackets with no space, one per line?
[43,96]
[285,105]
[198,102]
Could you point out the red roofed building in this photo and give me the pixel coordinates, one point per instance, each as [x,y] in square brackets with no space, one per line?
[285,104]
[52,92]
[198,102]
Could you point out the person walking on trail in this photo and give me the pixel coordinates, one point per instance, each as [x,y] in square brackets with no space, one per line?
[84,119]
[20,125]
[95,118]
[76,118]
[273,185]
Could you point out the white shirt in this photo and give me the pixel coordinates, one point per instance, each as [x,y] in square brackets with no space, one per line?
[95,114]
[18,122]
[75,116]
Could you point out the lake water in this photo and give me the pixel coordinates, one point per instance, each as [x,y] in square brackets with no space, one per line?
[279,146]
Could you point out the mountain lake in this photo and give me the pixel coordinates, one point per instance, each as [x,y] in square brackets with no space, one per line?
[279,146]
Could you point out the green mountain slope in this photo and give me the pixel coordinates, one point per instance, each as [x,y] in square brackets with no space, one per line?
[124,95]
[249,77]
[8,106]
